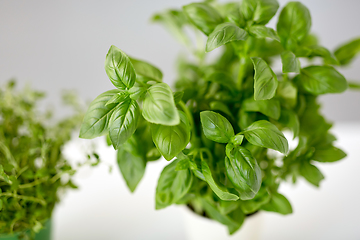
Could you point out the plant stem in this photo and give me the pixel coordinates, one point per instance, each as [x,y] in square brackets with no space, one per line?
[242,71]
[27,198]
[34,183]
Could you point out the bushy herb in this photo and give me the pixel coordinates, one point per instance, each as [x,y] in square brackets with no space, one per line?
[32,166]
[228,114]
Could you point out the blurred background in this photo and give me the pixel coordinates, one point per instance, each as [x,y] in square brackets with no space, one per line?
[56,45]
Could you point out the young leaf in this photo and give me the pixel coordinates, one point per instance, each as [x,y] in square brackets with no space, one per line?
[243,171]
[321,79]
[178,96]
[260,31]
[159,106]
[347,52]
[117,98]
[203,16]
[290,63]
[237,139]
[145,69]
[311,173]
[136,92]
[278,203]
[270,108]
[220,191]
[172,185]
[225,33]
[264,134]
[260,11]
[216,127]
[96,119]
[170,140]
[329,154]
[236,16]
[265,80]
[119,68]
[123,122]
[294,24]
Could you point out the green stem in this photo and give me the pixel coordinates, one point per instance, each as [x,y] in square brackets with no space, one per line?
[242,71]
[27,198]
[191,119]
[34,183]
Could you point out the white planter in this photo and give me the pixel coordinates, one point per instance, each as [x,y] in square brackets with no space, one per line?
[199,228]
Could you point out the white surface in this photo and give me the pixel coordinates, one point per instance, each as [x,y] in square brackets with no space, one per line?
[104,208]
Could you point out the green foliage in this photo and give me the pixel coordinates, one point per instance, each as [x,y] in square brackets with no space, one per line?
[228,109]
[32,167]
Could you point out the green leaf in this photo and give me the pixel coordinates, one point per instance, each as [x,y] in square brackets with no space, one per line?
[237,139]
[264,134]
[159,106]
[96,119]
[288,93]
[225,33]
[203,16]
[220,106]
[260,11]
[131,163]
[311,173]
[220,191]
[216,127]
[117,98]
[171,140]
[178,96]
[243,171]
[290,63]
[222,79]
[270,108]
[236,16]
[137,92]
[294,24]
[147,70]
[123,122]
[321,79]
[172,185]
[119,68]
[329,154]
[253,205]
[319,51]
[278,203]
[289,119]
[260,31]
[347,52]
[265,80]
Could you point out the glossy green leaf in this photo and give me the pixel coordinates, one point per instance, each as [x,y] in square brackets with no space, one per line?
[243,171]
[96,119]
[236,16]
[171,140]
[321,80]
[311,173]
[270,108]
[260,11]
[137,92]
[159,106]
[237,139]
[220,106]
[119,68]
[347,52]
[145,69]
[117,98]
[203,16]
[260,31]
[123,122]
[265,80]
[319,51]
[223,34]
[172,185]
[216,127]
[289,119]
[290,63]
[220,191]
[329,154]
[265,134]
[278,203]
[178,96]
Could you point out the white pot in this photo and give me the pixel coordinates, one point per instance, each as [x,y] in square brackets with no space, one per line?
[199,228]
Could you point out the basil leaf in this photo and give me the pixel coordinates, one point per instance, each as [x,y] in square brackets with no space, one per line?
[172,185]
[236,16]
[123,122]
[321,79]
[119,68]
[347,52]
[290,63]
[117,98]
[203,16]
[253,205]
[270,108]
[319,51]
[136,92]
[222,79]
[260,31]
[147,70]
[171,140]
[243,171]
[96,119]
[289,119]
[264,134]
[159,106]
[225,33]
[260,11]
[237,139]
[220,191]
[220,106]
[216,127]
[178,96]
[132,164]
[288,93]
[265,80]
[278,203]
[311,173]
[294,24]
[329,154]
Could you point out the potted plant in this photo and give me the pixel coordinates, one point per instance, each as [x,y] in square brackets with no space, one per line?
[32,167]
[222,129]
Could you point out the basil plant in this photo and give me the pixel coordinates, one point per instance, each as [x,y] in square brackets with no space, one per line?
[222,129]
